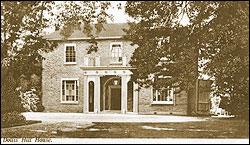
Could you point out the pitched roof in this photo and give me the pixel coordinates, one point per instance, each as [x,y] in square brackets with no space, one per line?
[112,30]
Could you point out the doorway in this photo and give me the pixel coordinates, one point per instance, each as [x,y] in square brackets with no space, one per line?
[111,94]
[115,98]
[114,102]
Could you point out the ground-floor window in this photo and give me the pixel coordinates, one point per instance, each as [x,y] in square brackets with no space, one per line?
[69,91]
[163,96]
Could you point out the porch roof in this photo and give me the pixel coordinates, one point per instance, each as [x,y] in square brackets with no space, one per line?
[106,68]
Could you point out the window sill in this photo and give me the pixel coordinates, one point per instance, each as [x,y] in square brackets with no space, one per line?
[70,63]
[161,102]
[116,63]
[70,103]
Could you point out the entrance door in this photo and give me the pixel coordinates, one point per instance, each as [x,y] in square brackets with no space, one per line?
[203,101]
[115,98]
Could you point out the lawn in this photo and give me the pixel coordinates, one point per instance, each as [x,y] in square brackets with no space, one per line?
[213,128]
[20,123]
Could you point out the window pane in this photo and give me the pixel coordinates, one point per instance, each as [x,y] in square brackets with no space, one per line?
[63,90]
[166,96]
[116,51]
[70,92]
[158,97]
[154,95]
[76,91]
[163,95]
[70,54]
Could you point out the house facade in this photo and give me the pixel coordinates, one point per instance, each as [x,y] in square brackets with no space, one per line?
[74,81]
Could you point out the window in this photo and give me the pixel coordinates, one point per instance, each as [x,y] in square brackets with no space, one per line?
[69,91]
[163,96]
[116,51]
[70,53]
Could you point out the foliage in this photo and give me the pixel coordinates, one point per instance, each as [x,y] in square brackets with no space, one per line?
[22,30]
[162,45]
[29,100]
[79,16]
[218,33]
[9,95]
[226,44]
[12,118]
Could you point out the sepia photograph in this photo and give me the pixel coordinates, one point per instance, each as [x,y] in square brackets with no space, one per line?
[125,72]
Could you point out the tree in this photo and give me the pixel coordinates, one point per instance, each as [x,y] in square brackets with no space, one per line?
[22,23]
[218,33]
[227,47]
[162,45]
[22,29]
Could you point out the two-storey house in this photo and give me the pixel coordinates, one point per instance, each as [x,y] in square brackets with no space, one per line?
[74,81]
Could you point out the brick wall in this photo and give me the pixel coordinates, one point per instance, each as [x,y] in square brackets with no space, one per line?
[145,107]
[54,70]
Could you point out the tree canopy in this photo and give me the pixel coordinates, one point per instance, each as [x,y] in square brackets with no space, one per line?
[218,35]
[22,29]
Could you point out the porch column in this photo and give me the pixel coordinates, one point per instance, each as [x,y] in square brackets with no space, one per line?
[124,93]
[85,95]
[135,98]
[97,95]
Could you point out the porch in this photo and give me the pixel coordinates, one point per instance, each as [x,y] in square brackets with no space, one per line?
[109,90]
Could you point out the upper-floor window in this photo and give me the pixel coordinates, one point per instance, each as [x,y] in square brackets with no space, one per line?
[70,53]
[163,96]
[116,51]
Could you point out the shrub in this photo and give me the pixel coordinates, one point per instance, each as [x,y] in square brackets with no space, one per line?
[9,95]
[12,118]
[29,100]
[40,108]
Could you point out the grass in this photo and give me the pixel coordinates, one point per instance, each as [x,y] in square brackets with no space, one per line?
[213,128]
[20,123]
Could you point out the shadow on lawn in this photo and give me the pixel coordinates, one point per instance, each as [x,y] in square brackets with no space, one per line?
[211,128]
[214,128]
[21,123]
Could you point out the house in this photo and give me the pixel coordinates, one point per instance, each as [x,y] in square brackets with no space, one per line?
[74,81]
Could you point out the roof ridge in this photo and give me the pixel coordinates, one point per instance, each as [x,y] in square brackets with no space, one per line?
[110,30]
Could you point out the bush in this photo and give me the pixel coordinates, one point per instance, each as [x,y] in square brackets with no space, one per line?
[29,100]
[40,108]
[11,118]
[9,95]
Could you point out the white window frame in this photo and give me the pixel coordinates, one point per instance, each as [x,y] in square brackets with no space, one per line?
[65,45]
[70,79]
[116,43]
[161,102]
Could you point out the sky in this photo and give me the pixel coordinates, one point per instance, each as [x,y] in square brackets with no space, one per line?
[119,15]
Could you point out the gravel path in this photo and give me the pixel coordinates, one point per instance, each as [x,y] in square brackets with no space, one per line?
[80,117]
